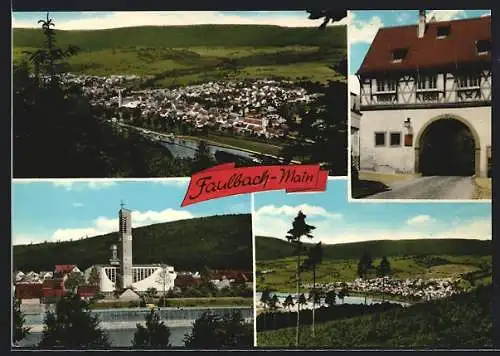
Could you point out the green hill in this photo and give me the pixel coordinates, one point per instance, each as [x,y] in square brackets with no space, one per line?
[462,321]
[269,248]
[216,242]
[188,36]
[179,55]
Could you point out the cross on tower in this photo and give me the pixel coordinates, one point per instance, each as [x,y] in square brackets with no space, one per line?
[122,204]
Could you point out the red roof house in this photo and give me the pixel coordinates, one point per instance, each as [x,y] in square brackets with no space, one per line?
[53,287]
[28,290]
[457,48]
[186,280]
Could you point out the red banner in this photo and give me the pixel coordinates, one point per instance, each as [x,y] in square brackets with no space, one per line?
[224,180]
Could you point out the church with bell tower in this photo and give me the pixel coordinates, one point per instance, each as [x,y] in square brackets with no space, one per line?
[120,273]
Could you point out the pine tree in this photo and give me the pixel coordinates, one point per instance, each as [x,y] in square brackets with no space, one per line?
[365,266]
[202,158]
[288,302]
[94,278]
[215,331]
[299,229]
[72,326]
[154,335]
[314,257]
[19,330]
[383,270]
[330,298]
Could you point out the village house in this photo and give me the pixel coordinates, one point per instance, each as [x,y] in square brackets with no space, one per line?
[425,93]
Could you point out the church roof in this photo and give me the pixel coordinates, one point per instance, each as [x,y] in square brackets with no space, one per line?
[456,49]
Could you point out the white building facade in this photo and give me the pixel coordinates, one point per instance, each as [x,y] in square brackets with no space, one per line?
[138,277]
[160,277]
[355,125]
[419,86]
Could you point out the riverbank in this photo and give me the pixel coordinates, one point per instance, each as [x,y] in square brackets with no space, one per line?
[181,302]
[371,297]
[234,143]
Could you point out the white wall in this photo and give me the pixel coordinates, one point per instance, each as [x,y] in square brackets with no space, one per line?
[402,159]
[155,281]
[30,301]
[106,284]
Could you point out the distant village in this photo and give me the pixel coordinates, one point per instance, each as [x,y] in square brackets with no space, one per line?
[36,288]
[416,288]
[239,107]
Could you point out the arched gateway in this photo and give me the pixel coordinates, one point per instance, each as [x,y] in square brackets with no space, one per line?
[447,145]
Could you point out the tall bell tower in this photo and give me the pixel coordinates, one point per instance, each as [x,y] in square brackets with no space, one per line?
[125,243]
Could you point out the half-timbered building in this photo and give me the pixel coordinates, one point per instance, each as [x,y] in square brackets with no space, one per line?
[425,94]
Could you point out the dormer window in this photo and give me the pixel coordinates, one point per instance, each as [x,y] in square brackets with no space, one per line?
[483,47]
[398,55]
[443,32]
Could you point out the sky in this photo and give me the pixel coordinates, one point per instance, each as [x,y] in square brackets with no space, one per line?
[102,20]
[363,26]
[340,221]
[69,209]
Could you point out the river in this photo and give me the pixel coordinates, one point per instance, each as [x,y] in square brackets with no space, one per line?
[347,300]
[120,324]
[117,337]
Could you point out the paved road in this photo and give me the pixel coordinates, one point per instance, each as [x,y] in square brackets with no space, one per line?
[434,187]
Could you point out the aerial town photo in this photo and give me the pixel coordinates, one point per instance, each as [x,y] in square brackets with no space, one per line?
[420,84]
[343,275]
[176,92]
[114,265]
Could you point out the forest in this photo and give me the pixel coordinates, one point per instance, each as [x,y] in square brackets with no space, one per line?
[226,243]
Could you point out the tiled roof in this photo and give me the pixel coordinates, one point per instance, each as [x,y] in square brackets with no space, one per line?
[183,280]
[456,49]
[28,290]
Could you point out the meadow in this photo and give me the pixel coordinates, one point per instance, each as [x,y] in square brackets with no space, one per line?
[423,258]
[183,55]
[461,321]
[411,267]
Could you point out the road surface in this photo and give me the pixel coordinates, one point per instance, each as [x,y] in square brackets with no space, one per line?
[434,187]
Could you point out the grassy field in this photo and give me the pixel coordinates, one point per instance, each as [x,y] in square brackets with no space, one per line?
[183,55]
[282,277]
